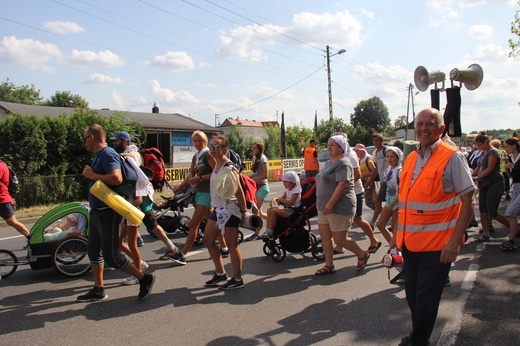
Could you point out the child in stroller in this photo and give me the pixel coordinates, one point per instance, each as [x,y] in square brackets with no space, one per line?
[294,231]
[290,200]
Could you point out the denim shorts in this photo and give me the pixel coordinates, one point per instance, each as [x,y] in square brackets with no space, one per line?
[6,210]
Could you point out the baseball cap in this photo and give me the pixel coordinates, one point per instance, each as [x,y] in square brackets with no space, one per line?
[121,135]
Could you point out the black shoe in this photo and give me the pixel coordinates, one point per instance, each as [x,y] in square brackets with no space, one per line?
[145,285]
[407,340]
[224,253]
[232,284]
[177,258]
[92,296]
[216,279]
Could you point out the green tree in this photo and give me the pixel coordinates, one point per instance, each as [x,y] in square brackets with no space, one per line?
[400,122]
[22,141]
[65,99]
[292,140]
[514,44]
[24,94]
[371,113]
[272,142]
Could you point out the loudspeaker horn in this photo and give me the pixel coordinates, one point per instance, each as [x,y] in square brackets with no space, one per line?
[471,77]
[423,78]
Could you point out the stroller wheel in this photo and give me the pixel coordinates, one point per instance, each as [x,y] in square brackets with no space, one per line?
[266,249]
[317,251]
[240,237]
[278,254]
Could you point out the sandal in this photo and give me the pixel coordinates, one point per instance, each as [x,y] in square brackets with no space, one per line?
[325,270]
[482,238]
[374,248]
[362,262]
[165,257]
[508,245]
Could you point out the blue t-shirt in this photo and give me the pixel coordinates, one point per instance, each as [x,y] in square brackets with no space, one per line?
[104,162]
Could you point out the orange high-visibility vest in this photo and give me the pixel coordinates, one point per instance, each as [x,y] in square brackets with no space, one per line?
[427,215]
[310,163]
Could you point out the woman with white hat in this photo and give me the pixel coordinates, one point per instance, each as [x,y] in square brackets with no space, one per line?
[336,204]
[229,202]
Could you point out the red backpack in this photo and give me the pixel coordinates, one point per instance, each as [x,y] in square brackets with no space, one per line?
[153,159]
[249,187]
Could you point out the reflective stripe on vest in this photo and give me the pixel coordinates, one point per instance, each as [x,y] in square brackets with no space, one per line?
[310,163]
[427,215]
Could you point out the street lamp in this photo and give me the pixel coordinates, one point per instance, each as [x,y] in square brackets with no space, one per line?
[331,118]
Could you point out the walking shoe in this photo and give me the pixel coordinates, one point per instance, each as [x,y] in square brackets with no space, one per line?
[224,253]
[92,296]
[144,266]
[491,230]
[145,285]
[177,258]
[140,242]
[472,223]
[253,236]
[166,256]
[132,280]
[232,284]
[508,245]
[216,279]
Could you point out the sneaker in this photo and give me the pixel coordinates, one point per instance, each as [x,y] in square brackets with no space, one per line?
[140,242]
[92,296]
[144,266]
[132,280]
[216,279]
[166,256]
[224,253]
[145,285]
[232,284]
[177,258]
[253,236]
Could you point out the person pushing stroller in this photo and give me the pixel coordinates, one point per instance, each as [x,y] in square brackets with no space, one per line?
[290,199]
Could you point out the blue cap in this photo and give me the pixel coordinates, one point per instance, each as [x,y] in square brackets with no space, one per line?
[121,135]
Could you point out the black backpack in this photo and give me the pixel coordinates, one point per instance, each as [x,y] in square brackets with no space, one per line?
[13,185]
[237,161]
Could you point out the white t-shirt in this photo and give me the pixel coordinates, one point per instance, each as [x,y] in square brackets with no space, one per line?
[297,190]
[354,159]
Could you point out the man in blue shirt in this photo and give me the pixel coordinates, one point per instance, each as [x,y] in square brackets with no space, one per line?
[103,239]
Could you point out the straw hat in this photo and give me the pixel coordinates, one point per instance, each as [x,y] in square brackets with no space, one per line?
[227,183]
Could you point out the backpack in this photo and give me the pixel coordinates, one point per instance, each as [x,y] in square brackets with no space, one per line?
[153,159]
[129,173]
[13,185]
[249,188]
[237,161]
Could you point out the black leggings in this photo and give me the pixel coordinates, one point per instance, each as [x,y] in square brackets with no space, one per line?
[103,239]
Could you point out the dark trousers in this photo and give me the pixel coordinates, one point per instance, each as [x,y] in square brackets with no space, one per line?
[425,277]
[103,239]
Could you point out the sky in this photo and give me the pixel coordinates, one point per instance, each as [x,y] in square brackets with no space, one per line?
[213,59]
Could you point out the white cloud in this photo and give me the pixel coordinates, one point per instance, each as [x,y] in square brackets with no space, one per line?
[98,78]
[32,54]
[262,90]
[338,29]
[164,94]
[481,31]
[63,28]
[490,54]
[87,58]
[117,100]
[173,61]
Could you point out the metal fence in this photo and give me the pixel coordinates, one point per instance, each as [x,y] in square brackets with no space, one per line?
[44,190]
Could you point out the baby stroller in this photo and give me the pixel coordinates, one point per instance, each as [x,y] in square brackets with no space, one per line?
[293,234]
[170,215]
[58,239]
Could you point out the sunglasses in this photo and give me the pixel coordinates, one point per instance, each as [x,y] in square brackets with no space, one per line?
[85,139]
[213,146]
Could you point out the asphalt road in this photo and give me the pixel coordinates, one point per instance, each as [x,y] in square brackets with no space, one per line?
[282,303]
